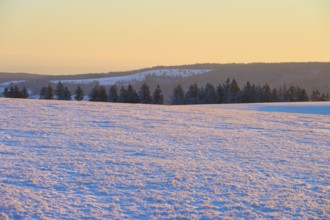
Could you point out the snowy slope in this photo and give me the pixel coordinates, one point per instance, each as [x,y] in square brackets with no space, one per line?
[83,160]
[137,76]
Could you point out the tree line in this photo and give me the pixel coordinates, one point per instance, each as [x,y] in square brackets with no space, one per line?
[99,94]
[127,94]
[228,92]
[15,92]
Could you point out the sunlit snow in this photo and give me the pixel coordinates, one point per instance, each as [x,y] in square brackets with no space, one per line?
[140,76]
[83,160]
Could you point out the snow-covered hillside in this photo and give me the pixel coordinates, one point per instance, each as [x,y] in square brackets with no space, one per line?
[140,76]
[83,160]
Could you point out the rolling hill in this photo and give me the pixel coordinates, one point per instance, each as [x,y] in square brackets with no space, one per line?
[306,75]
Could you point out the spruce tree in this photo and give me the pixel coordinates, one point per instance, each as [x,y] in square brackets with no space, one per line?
[247,93]
[47,92]
[210,94]
[66,94]
[234,92]
[201,98]
[227,96]
[98,94]
[191,96]
[158,98]
[59,91]
[220,94]
[113,94]
[25,93]
[17,93]
[274,96]
[50,92]
[79,94]
[122,95]
[266,93]
[132,96]
[178,96]
[144,94]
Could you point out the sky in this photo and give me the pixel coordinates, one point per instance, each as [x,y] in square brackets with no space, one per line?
[84,36]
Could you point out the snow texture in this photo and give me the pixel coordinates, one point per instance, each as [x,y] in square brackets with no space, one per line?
[137,76]
[83,160]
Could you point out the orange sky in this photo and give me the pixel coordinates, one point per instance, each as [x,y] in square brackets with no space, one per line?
[80,36]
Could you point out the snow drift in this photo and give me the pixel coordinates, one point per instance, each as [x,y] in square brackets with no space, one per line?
[75,160]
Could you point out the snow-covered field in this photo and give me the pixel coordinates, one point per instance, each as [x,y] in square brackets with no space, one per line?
[140,76]
[83,160]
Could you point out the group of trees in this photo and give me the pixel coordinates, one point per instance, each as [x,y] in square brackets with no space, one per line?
[230,92]
[317,96]
[127,94]
[60,93]
[15,92]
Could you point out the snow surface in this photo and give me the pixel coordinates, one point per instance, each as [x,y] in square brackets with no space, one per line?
[83,160]
[322,108]
[137,76]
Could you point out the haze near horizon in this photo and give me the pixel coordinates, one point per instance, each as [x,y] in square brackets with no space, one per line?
[70,37]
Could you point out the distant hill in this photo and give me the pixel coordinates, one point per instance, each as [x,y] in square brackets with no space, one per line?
[310,76]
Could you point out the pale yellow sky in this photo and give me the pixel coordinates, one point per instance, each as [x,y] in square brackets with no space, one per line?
[80,36]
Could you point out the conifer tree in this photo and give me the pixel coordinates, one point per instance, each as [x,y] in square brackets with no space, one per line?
[227,96]
[79,94]
[158,97]
[191,96]
[66,94]
[144,94]
[113,94]
[266,93]
[178,96]
[247,93]
[59,91]
[50,92]
[25,93]
[234,92]
[47,92]
[220,94]
[210,94]
[122,95]
[201,98]
[132,96]
[274,96]
[98,94]
[16,93]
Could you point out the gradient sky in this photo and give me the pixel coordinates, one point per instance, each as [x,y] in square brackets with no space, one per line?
[81,36]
